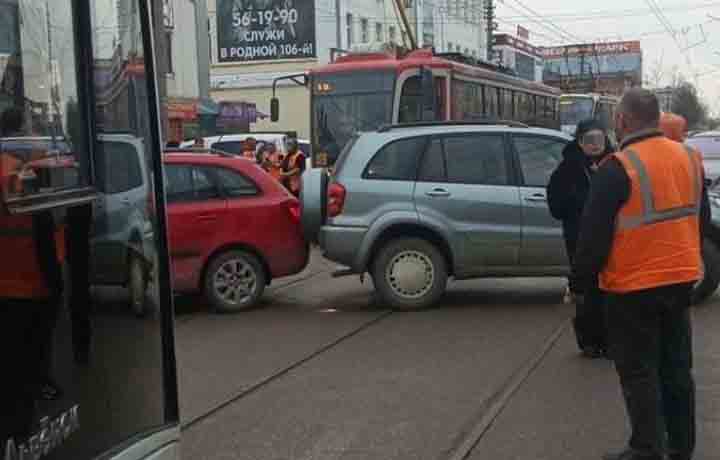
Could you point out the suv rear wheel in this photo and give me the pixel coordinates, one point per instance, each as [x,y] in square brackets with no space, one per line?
[409,273]
[234,281]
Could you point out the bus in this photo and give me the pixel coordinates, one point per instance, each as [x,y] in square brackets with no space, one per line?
[361,91]
[86,374]
[577,107]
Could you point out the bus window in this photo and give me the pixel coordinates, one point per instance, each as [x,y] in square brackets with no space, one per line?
[88,376]
[42,149]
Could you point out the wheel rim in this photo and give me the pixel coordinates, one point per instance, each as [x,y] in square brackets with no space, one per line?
[235,282]
[137,286]
[410,274]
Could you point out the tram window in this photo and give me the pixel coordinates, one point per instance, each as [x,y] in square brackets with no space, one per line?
[41,143]
[410,101]
[604,114]
[492,109]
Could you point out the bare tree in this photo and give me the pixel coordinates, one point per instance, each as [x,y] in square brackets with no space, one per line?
[686,102]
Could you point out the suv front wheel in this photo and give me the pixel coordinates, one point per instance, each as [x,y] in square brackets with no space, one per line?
[409,273]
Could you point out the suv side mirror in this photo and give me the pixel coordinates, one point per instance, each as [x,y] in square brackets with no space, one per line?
[274,109]
[427,86]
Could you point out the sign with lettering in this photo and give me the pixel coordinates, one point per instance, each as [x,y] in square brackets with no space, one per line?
[591,49]
[265,30]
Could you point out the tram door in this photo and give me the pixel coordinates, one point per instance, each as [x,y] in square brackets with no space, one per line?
[88,360]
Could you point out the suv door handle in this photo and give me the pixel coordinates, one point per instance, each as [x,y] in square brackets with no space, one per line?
[536,198]
[437,192]
[125,201]
[207,217]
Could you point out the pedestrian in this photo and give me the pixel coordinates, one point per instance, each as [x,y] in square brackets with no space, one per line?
[271,161]
[567,193]
[249,149]
[641,233]
[674,126]
[293,167]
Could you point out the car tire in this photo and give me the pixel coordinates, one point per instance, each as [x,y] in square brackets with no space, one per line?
[711,273]
[234,281]
[137,285]
[409,274]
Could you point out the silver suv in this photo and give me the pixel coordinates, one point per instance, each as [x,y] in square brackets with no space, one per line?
[416,204]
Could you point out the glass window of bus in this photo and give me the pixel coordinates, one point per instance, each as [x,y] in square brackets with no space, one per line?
[94,375]
[41,140]
[575,109]
[346,103]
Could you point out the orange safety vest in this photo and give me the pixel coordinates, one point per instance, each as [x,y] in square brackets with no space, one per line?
[22,277]
[657,231]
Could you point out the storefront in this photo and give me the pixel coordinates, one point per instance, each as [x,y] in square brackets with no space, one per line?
[86,336]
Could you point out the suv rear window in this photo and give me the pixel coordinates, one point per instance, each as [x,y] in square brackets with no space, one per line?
[397,160]
[466,159]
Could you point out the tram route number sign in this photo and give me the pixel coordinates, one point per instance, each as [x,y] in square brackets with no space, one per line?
[265,30]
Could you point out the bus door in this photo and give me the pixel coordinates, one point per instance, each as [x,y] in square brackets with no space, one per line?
[88,373]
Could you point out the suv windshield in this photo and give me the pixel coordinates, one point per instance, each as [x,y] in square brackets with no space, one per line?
[347,103]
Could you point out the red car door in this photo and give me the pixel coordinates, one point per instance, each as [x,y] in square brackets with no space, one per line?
[196,211]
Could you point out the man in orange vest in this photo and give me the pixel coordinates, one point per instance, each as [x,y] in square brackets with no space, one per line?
[641,234]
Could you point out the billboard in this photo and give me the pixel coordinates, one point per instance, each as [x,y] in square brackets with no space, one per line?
[265,30]
[602,67]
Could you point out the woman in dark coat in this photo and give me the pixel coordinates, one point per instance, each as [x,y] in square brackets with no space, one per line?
[567,192]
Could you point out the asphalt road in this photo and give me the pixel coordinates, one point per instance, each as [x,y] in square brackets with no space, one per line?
[323,371]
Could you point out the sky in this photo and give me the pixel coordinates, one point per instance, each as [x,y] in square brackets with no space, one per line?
[693,51]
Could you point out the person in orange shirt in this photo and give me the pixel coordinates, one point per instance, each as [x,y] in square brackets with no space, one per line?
[271,161]
[249,149]
[674,126]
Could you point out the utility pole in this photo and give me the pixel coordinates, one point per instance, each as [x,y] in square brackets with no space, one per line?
[53,106]
[489,27]
[338,25]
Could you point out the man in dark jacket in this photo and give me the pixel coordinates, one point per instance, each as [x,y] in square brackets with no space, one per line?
[649,292]
[567,193]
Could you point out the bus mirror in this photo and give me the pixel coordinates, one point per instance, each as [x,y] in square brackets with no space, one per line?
[427,86]
[274,109]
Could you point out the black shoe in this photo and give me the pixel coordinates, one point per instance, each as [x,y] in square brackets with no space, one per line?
[631,454]
[593,352]
[675,455]
[50,391]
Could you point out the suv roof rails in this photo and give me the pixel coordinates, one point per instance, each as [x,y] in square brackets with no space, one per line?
[419,124]
[199,150]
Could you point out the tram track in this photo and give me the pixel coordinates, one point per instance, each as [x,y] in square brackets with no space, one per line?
[267,380]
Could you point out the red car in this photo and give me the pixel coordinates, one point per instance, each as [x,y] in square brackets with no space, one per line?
[232,228]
